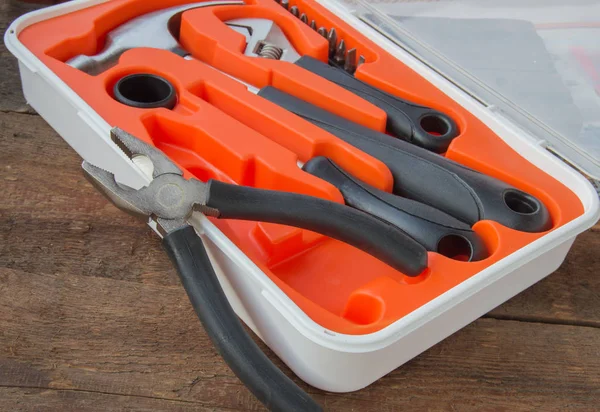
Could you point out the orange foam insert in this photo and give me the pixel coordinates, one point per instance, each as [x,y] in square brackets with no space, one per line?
[219,130]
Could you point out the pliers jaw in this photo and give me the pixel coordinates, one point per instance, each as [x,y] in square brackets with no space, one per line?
[134,147]
[169,199]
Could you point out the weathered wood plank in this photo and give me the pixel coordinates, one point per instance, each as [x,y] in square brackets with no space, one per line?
[11,98]
[569,295]
[64,331]
[52,400]
[51,220]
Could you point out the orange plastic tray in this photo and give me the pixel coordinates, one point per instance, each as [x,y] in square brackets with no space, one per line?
[219,130]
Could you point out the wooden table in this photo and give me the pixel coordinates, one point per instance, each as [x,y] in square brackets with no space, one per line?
[92,316]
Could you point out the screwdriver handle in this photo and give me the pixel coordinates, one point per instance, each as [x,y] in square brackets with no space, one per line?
[365,232]
[427,177]
[434,229]
[419,125]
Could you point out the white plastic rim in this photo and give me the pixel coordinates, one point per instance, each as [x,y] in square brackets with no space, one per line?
[290,311]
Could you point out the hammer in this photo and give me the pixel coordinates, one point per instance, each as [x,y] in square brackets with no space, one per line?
[157,30]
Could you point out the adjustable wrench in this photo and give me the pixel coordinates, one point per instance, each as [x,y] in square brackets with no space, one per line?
[419,125]
[157,30]
[160,30]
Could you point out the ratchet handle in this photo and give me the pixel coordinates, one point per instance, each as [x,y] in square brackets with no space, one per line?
[271,386]
[427,177]
[434,229]
[374,236]
[419,125]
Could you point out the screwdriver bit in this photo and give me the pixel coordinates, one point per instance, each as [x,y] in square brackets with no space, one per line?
[361,60]
[294,10]
[322,31]
[340,53]
[350,65]
[285,4]
[332,37]
[313,25]
[304,18]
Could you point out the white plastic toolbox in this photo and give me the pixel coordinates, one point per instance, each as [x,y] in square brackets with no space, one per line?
[323,358]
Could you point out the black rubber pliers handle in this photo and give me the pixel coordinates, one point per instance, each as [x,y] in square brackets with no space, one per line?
[271,386]
[434,229]
[372,235]
[419,125]
[198,277]
[427,177]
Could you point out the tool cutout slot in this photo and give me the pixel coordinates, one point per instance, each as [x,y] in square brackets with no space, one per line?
[145,91]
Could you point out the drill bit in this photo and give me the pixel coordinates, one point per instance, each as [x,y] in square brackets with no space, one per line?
[332,37]
[285,4]
[350,65]
[361,60]
[322,31]
[313,25]
[340,53]
[304,18]
[294,10]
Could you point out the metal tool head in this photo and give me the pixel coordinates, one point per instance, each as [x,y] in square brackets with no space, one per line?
[264,38]
[134,147]
[169,199]
[157,30]
[332,38]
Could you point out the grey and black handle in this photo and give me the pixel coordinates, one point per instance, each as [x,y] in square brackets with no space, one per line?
[427,177]
[247,361]
[271,386]
[419,125]
[354,227]
[434,229]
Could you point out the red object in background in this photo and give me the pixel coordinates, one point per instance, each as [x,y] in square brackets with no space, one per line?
[590,64]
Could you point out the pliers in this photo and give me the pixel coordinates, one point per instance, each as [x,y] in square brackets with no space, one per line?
[169,201]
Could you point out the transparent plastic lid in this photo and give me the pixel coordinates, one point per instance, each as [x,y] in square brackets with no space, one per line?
[535,61]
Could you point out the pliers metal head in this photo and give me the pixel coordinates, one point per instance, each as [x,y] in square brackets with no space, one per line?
[169,199]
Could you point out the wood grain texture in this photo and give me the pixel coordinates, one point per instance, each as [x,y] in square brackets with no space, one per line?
[11,98]
[92,317]
[65,400]
[94,334]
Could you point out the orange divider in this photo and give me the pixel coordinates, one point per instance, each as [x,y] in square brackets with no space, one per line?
[300,137]
[204,34]
[219,130]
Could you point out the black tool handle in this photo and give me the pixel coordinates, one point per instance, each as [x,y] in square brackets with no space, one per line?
[419,125]
[428,177]
[434,229]
[271,386]
[374,236]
